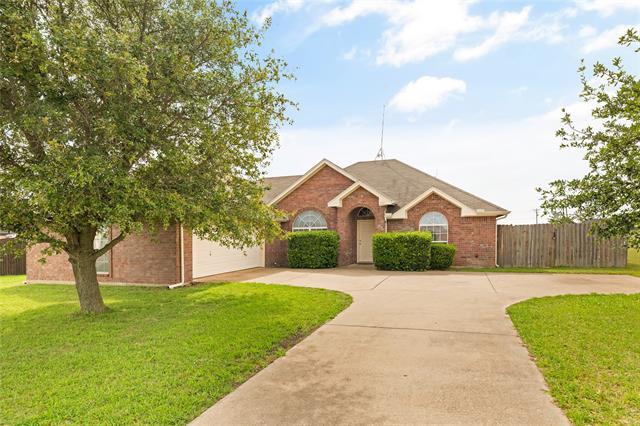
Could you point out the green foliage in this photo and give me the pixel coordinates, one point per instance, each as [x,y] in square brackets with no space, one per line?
[313,249]
[402,251]
[442,255]
[588,348]
[632,268]
[610,192]
[131,114]
[159,358]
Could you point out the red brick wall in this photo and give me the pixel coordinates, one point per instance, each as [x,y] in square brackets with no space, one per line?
[347,227]
[474,237]
[314,194]
[146,258]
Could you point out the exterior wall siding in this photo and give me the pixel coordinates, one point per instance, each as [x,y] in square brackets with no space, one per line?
[314,194]
[141,259]
[347,227]
[474,237]
[156,259]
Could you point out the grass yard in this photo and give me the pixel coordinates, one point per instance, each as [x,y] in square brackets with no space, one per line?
[161,357]
[633,268]
[588,348]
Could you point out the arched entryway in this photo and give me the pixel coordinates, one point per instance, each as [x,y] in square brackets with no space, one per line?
[365,228]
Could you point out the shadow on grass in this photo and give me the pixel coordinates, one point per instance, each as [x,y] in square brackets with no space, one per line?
[160,356]
[42,300]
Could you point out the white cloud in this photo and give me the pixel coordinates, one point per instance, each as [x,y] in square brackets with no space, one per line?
[501,161]
[607,7]
[507,24]
[518,90]
[580,114]
[587,31]
[356,52]
[451,125]
[548,28]
[277,6]
[418,29]
[425,93]
[350,54]
[605,40]
[357,9]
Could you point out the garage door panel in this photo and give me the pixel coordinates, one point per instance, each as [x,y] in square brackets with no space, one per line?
[210,258]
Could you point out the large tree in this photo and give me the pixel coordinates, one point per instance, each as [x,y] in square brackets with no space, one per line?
[609,193]
[133,114]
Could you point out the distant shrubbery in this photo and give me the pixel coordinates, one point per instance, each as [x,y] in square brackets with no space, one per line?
[442,255]
[402,251]
[313,249]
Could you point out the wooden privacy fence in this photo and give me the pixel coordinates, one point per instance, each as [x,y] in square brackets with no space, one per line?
[10,264]
[546,245]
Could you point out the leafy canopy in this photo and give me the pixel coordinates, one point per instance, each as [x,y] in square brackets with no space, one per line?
[610,192]
[135,113]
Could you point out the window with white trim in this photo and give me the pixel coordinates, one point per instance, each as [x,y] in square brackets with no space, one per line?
[103,263]
[437,224]
[309,220]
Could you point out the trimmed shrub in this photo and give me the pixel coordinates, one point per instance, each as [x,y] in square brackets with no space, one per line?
[402,251]
[313,249]
[442,255]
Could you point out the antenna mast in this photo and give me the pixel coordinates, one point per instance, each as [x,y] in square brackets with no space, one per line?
[380,155]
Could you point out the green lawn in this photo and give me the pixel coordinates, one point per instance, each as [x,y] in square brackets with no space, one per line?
[588,348]
[633,268]
[160,357]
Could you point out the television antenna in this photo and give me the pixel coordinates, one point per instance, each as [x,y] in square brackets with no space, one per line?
[380,154]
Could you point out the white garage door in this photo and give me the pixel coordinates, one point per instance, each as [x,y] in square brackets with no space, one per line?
[210,258]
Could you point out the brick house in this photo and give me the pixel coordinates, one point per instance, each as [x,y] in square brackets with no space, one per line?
[356,201]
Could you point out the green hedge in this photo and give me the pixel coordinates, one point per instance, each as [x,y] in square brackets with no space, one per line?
[313,249]
[402,251]
[442,255]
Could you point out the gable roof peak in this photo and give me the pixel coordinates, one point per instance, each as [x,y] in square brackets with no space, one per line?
[394,182]
[406,184]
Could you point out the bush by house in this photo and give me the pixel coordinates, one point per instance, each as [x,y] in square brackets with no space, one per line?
[313,249]
[402,251]
[442,255]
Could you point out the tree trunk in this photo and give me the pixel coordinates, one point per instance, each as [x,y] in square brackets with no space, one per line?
[83,262]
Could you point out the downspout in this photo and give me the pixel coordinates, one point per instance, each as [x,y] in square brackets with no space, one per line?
[496,245]
[386,217]
[181,283]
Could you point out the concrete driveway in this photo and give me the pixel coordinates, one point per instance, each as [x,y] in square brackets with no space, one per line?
[433,347]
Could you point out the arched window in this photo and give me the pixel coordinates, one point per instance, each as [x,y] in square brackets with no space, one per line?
[310,220]
[364,213]
[437,224]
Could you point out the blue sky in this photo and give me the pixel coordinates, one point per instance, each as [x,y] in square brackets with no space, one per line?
[473,89]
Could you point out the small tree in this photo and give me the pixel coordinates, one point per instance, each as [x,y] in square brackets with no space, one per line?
[610,192]
[133,114]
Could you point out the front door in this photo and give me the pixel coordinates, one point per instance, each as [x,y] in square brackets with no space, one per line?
[366,229]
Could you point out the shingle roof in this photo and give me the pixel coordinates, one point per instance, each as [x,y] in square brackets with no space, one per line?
[395,179]
[404,183]
[275,185]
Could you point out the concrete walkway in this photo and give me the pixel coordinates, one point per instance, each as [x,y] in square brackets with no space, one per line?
[413,348]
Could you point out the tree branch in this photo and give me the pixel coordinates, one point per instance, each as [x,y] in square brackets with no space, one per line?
[109,245]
